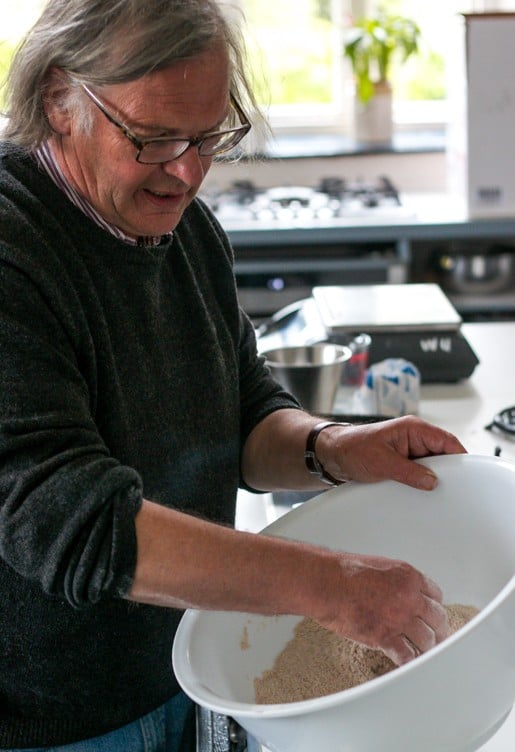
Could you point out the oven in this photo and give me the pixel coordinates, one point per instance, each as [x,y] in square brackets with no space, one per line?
[218,733]
[285,274]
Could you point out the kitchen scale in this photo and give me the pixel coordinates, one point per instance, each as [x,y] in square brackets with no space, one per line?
[416,322]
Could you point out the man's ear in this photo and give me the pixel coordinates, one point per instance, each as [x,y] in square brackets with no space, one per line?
[55,101]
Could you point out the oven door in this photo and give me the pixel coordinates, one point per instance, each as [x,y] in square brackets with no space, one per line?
[218,733]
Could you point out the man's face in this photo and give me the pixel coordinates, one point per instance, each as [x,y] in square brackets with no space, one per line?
[188,99]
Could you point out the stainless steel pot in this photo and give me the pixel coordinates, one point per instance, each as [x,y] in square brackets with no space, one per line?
[477,271]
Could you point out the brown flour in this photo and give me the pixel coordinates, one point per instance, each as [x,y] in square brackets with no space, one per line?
[316,662]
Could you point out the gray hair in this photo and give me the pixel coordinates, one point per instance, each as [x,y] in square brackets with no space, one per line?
[102,42]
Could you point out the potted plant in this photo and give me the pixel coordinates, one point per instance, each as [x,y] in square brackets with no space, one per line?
[372,45]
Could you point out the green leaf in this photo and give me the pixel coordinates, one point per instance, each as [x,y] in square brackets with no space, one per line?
[373,43]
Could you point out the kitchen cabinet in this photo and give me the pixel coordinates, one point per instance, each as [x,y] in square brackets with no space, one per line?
[277,262]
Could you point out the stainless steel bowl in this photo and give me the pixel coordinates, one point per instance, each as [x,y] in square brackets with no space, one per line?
[312,373]
[477,272]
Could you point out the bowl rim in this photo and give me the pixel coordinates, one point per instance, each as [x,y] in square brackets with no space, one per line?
[201,694]
[344,355]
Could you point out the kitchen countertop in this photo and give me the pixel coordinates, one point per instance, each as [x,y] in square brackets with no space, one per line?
[463,408]
[424,216]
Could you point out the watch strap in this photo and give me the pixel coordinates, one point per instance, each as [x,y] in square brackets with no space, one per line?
[313,464]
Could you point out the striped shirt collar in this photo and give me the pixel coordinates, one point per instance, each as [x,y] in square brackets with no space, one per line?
[46,159]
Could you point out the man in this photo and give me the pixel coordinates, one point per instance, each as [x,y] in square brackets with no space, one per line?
[132,400]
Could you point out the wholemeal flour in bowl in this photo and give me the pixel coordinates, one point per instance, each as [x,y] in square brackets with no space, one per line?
[317,662]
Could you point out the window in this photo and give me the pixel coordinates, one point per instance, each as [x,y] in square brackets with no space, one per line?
[14,23]
[297,46]
[295,51]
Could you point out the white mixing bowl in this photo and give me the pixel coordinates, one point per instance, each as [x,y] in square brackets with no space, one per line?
[451,699]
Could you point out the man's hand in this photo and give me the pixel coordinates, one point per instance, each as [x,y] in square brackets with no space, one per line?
[387,605]
[381,451]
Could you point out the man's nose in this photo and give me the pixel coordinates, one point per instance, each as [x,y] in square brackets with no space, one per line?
[190,167]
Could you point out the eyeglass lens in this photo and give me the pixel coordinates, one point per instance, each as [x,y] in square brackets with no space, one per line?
[165,151]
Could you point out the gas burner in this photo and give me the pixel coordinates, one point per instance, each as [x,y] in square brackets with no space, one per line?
[288,202]
[334,199]
[245,191]
[334,187]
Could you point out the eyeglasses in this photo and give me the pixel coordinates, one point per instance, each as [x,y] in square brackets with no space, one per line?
[166,149]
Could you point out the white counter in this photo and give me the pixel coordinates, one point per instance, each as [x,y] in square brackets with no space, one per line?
[463,408]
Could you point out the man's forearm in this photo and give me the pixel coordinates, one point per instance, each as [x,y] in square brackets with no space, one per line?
[185,562]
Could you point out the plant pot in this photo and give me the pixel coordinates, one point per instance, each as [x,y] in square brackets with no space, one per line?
[373,120]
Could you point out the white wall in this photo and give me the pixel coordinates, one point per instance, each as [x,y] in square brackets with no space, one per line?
[412,173]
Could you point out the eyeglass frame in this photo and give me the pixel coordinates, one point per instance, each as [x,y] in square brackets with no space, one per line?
[197,141]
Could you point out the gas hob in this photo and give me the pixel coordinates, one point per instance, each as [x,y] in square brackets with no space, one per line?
[333,202]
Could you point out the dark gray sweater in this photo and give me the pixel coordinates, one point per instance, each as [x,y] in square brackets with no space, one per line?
[124,373]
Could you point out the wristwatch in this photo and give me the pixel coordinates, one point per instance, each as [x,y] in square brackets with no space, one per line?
[313,464]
